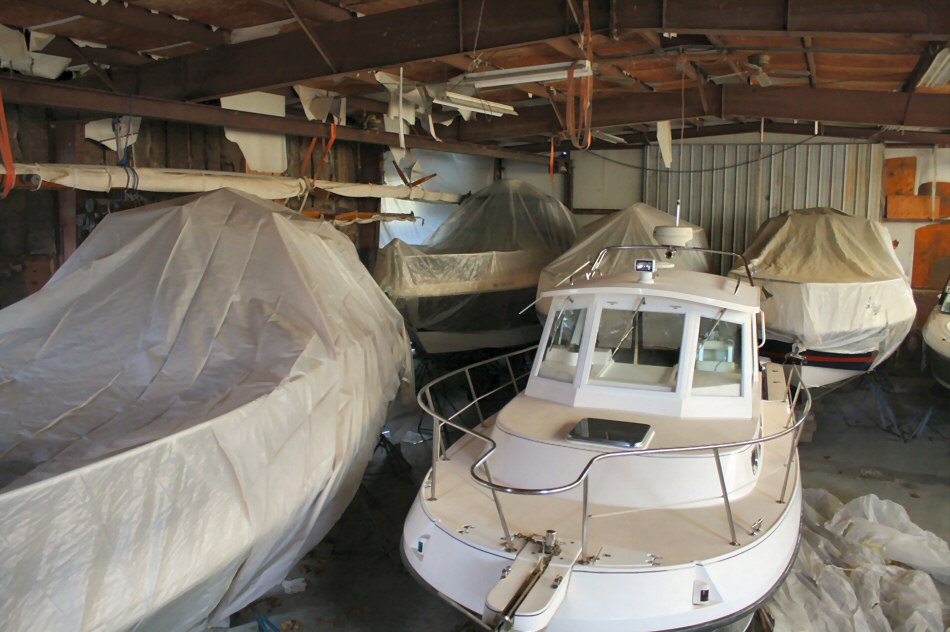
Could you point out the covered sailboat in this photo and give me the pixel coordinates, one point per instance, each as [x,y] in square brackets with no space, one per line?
[836,298]
[633,225]
[188,407]
[463,289]
[936,334]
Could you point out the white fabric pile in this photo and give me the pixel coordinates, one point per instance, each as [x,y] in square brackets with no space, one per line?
[863,566]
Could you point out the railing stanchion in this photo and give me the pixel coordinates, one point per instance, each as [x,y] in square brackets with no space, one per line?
[584,525]
[511,372]
[501,514]
[436,443]
[795,436]
[471,388]
[725,499]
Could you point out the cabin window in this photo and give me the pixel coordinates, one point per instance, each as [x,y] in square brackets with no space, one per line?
[637,348]
[718,358]
[564,343]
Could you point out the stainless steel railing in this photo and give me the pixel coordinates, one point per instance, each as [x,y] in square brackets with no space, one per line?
[793,426]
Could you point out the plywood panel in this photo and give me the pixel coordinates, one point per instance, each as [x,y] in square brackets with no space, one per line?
[943,196]
[908,207]
[931,256]
[900,175]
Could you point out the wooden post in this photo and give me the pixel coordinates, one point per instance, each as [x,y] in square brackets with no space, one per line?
[369,169]
[68,138]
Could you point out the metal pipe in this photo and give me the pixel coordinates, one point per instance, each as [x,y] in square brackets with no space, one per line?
[788,465]
[725,499]
[475,399]
[509,546]
[511,372]
[584,525]
[436,443]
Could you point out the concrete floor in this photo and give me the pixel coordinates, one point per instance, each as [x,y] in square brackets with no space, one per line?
[355,581]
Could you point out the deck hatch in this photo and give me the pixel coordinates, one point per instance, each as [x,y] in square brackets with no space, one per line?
[624,434]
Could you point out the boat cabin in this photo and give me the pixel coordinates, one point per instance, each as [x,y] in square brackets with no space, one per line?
[672,343]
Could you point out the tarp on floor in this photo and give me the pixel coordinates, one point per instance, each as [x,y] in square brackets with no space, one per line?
[495,243]
[188,406]
[631,226]
[832,282]
[862,566]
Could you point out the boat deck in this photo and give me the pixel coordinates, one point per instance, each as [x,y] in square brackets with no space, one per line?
[619,537]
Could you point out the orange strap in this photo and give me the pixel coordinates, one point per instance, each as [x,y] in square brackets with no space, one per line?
[6,152]
[306,160]
[579,128]
[326,152]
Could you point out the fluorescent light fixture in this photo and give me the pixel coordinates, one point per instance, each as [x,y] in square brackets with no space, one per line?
[474,104]
[938,75]
[530,74]
[610,138]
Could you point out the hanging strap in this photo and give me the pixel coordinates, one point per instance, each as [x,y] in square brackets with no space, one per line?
[6,152]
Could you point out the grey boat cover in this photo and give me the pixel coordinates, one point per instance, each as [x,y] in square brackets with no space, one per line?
[832,282]
[188,407]
[633,225]
[496,242]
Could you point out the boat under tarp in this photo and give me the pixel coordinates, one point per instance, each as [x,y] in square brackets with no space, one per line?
[188,407]
[464,287]
[836,298]
[632,225]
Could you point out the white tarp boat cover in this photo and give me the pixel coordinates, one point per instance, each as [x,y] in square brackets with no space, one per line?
[481,266]
[863,566]
[832,282]
[633,225]
[188,407]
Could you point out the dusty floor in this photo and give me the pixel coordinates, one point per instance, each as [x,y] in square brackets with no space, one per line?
[355,581]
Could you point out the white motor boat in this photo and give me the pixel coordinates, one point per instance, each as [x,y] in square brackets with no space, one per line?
[937,339]
[645,479]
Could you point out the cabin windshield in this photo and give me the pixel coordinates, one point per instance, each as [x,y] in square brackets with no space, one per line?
[718,370]
[945,305]
[560,354]
[635,347]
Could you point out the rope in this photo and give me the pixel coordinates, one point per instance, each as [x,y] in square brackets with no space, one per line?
[580,127]
[709,169]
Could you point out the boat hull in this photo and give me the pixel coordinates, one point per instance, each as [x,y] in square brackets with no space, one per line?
[819,368]
[936,335]
[614,599]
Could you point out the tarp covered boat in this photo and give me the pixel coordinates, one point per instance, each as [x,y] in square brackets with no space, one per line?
[464,287]
[836,299]
[632,225]
[188,407]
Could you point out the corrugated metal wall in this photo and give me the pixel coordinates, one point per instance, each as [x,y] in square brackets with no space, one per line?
[729,191]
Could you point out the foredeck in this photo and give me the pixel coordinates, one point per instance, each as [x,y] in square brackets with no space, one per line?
[619,537]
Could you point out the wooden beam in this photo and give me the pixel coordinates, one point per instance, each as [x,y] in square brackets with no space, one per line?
[310,34]
[842,106]
[62,46]
[76,51]
[929,19]
[436,29]
[136,17]
[810,62]
[58,95]
[315,10]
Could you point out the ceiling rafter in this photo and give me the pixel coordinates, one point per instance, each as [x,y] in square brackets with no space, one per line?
[443,27]
[315,10]
[57,95]
[842,106]
[136,17]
